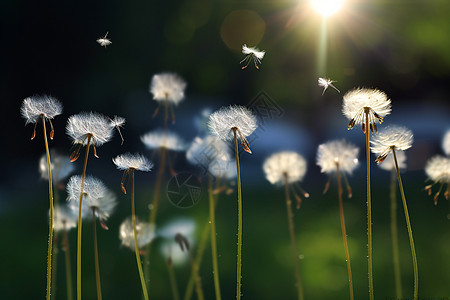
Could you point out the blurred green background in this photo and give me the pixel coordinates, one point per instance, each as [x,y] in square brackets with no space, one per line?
[401,47]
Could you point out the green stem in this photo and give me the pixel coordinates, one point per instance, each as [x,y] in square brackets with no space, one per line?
[55,252]
[136,248]
[173,281]
[68,266]
[83,176]
[50,231]
[290,217]
[198,282]
[97,268]
[212,219]
[408,224]
[344,232]
[369,207]
[239,244]
[394,232]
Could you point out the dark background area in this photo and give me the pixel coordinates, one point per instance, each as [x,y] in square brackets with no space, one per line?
[401,47]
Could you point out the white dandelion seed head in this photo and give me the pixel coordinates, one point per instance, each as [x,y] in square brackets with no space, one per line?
[446,143]
[438,169]
[388,164]
[159,139]
[356,100]
[223,120]
[117,121]
[399,137]
[144,233]
[322,82]
[254,51]
[339,152]
[284,165]
[95,195]
[84,124]
[203,151]
[133,161]
[104,41]
[34,107]
[167,86]
[170,250]
[224,169]
[64,218]
[60,165]
[184,226]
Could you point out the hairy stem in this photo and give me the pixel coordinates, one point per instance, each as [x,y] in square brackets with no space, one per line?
[83,176]
[212,220]
[239,244]
[97,268]
[344,232]
[66,250]
[290,217]
[50,230]
[136,248]
[369,207]
[394,233]
[408,225]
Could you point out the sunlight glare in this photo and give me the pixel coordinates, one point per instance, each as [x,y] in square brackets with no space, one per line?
[327,7]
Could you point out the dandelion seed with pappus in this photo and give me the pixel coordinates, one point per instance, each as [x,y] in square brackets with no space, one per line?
[389,140]
[325,83]
[252,53]
[229,123]
[288,168]
[158,139]
[130,163]
[104,41]
[44,108]
[117,123]
[340,158]
[437,169]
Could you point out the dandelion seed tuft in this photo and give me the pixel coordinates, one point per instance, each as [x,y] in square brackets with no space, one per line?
[104,41]
[437,169]
[145,233]
[252,53]
[325,83]
[167,87]
[132,161]
[64,218]
[397,137]
[203,151]
[60,165]
[159,139]
[79,127]
[339,152]
[285,165]
[33,108]
[224,169]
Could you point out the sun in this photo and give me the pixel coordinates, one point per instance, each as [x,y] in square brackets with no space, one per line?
[327,8]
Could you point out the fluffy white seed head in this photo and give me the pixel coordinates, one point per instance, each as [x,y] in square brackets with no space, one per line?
[145,233]
[64,218]
[84,124]
[438,169]
[254,51]
[284,165]
[337,153]
[203,151]
[104,41]
[117,121]
[398,137]
[224,169]
[446,143]
[223,120]
[158,139]
[388,164]
[34,107]
[167,87]
[95,195]
[184,226]
[60,165]
[133,161]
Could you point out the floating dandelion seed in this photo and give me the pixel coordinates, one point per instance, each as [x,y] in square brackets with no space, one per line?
[438,171]
[446,143]
[118,122]
[252,53]
[325,83]
[396,137]
[104,41]
[145,233]
[361,101]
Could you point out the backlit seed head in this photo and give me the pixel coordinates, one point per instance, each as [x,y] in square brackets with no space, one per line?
[145,233]
[132,161]
[437,169]
[167,87]
[393,137]
[285,165]
[60,165]
[337,153]
[64,218]
[33,108]
[388,164]
[79,127]
[203,151]
[158,139]
[446,143]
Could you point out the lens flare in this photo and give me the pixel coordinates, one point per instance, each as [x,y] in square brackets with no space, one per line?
[327,8]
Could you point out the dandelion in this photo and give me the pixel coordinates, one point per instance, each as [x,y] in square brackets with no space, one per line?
[288,168]
[340,158]
[60,165]
[227,123]
[390,140]
[118,122]
[144,232]
[203,151]
[325,83]
[167,89]
[446,143]
[389,165]
[104,41]
[44,108]
[158,139]
[367,106]
[437,169]
[129,163]
[252,53]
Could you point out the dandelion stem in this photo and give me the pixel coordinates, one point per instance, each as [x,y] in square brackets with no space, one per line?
[344,233]
[83,176]
[173,281]
[408,225]
[136,248]
[198,282]
[239,250]
[66,250]
[212,219]
[55,251]
[97,268]
[369,206]
[394,233]
[293,242]
[50,231]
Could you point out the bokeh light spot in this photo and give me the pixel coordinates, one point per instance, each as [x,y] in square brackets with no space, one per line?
[327,8]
